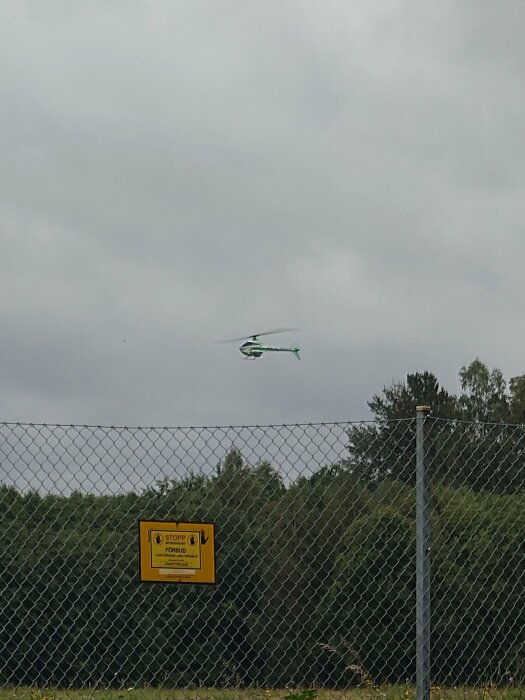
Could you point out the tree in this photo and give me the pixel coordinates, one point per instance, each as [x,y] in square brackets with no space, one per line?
[466,444]
[484,450]
[399,401]
[517,399]
[484,394]
[385,449]
[478,586]
[368,612]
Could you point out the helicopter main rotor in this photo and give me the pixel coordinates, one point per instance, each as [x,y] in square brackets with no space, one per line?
[254,336]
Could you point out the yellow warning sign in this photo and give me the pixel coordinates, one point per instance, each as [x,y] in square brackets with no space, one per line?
[177,552]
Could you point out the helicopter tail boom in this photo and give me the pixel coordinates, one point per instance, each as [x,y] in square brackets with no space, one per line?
[273,348]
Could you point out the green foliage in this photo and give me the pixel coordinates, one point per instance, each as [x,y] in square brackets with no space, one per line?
[385,449]
[369,607]
[316,578]
[478,585]
[484,396]
[464,446]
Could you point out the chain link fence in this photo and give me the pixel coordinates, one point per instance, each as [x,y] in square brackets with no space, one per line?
[315,544]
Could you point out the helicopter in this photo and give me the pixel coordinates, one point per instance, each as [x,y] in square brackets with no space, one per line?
[253,348]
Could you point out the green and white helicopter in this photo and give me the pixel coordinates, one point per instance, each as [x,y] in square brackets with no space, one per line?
[253,348]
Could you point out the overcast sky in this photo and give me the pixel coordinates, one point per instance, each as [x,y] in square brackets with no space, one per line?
[176,172]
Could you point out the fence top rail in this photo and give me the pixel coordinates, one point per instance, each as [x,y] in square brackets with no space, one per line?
[260,426]
[462,421]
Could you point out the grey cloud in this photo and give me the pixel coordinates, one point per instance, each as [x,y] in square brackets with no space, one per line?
[175,175]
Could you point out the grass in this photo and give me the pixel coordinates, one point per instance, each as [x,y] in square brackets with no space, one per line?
[397,692]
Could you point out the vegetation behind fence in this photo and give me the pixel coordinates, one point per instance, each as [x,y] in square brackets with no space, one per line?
[315,553]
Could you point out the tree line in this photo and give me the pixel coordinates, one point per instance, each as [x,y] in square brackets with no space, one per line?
[316,578]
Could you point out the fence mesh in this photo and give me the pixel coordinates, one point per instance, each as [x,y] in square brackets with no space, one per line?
[315,536]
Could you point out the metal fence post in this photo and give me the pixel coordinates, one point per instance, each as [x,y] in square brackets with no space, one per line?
[422,560]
